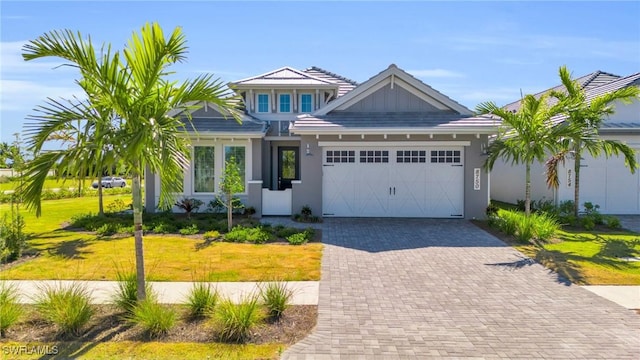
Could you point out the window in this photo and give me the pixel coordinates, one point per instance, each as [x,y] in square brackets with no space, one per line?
[411,156]
[374,156]
[263,103]
[445,156]
[341,156]
[203,169]
[306,103]
[285,103]
[237,152]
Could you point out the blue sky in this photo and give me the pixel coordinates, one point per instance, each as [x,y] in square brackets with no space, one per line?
[470,51]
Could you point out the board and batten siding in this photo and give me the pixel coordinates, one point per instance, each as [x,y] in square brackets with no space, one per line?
[387,99]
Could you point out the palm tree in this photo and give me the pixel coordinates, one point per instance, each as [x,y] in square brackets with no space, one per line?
[584,117]
[523,137]
[135,87]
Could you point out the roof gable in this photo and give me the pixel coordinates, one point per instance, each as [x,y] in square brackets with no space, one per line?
[392,77]
[286,76]
[344,84]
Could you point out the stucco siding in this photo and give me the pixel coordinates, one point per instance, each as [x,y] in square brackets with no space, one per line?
[508,182]
[626,113]
[309,190]
[387,99]
[475,200]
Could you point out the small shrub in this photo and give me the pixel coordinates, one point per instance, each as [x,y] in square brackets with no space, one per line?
[215,206]
[164,228]
[545,226]
[13,239]
[155,319]
[588,223]
[67,307]
[298,238]
[126,296]
[235,321]
[255,235]
[249,211]
[284,232]
[190,230]
[592,211]
[525,227]
[211,235]
[189,205]
[10,310]
[306,211]
[508,225]
[201,300]
[492,209]
[107,229]
[116,205]
[276,297]
[613,222]
[565,207]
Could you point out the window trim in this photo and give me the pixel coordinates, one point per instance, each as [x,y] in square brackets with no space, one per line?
[258,103]
[290,103]
[300,103]
[223,155]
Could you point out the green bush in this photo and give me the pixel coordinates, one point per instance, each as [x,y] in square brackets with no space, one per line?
[538,226]
[235,321]
[13,239]
[545,226]
[190,230]
[276,297]
[588,223]
[107,229]
[155,319]
[10,310]
[201,300]
[211,235]
[613,222]
[164,228]
[189,205]
[116,206]
[256,235]
[126,296]
[284,232]
[67,307]
[298,238]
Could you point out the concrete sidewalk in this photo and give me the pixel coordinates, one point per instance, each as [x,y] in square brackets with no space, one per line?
[304,292]
[627,296]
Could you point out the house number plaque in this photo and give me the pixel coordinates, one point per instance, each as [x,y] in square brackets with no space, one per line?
[476,179]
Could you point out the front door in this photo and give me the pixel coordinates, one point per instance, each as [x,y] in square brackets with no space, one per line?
[288,166]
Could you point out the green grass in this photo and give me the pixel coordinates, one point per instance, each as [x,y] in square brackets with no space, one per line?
[591,257]
[67,255]
[150,350]
[48,184]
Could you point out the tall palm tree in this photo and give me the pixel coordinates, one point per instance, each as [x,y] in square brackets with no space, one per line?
[134,85]
[523,137]
[584,117]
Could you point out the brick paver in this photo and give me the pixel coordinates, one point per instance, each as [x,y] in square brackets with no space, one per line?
[444,288]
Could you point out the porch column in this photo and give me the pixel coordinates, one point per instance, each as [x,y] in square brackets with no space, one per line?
[254,196]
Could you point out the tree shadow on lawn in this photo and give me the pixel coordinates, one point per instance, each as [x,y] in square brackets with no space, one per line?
[618,248]
[70,249]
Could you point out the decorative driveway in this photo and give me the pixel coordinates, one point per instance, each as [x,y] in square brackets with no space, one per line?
[405,288]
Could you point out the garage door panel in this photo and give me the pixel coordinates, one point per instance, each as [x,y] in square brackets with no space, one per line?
[338,190]
[372,189]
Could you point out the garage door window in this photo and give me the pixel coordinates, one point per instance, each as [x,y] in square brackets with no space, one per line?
[445,156]
[374,156]
[411,156]
[341,156]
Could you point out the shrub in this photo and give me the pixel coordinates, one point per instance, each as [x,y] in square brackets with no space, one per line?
[249,211]
[613,222]
[525,228]
[545,226]
[201,300]
[215,206]
[306,211]
[107,229]
[211,235]
[116,205]
[284,232]
[235,321]
[13,240]
[299,238]
[492,209]
[588,223]
[276,297]
[189,205]
[154,318]
[255,235]
[10,310]
[591,211]
[67,307]
[164,228]
[126,296]
[190,230]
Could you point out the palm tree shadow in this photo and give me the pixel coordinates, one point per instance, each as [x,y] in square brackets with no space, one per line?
[514,265]
[71,249]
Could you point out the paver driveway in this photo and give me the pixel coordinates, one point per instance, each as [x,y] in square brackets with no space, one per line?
[444,288]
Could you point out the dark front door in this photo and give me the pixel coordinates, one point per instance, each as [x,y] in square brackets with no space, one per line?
[288,166]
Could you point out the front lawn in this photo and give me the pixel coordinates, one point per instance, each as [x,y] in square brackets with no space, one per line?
[66,254]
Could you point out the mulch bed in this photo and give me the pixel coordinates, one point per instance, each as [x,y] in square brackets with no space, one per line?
[108,324]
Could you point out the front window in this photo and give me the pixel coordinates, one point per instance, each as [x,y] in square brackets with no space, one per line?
[306,103]
[263,103]
[237,152]
[203,169]
[285,103]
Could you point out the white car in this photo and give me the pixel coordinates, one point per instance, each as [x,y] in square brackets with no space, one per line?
[110,182]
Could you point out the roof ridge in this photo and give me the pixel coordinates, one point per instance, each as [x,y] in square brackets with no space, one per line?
[289,68]
[316,68]
[594,75]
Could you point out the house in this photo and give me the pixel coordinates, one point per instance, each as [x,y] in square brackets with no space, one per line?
[604,181]
[389,147]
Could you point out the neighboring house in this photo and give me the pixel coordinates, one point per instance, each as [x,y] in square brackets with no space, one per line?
[389,147]
[605,182]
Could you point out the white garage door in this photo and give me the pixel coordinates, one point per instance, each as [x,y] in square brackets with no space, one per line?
[393,182]
[610,184]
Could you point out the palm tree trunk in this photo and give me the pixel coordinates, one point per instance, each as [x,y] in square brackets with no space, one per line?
[576,180]
[137,223]
[527,190]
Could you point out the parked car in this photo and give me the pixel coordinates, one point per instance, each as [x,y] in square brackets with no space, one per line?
[110,182]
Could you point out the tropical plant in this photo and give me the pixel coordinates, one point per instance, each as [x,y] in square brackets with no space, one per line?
[68,307]
[230,185]
[10,309]
[189,205]
[584,117]
[134,86]
[524,137]
[13,239]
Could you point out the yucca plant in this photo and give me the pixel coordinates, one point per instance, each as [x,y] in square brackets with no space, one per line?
[276,297]
[68,307]
[235,321]
[155,319]
[10,310]
[202,300]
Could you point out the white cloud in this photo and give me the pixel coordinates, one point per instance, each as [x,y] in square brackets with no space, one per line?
[24,95]
[12,63]
[435,73]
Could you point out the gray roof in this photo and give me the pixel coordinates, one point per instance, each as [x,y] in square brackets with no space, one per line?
[212,125]
[345,84]
[589,81]
[617,84]
[286,76]
[414,121]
